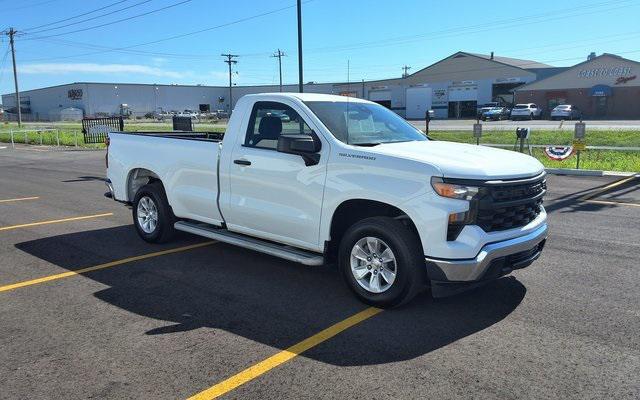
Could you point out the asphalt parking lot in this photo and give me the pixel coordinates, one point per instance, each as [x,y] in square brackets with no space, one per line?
[171,321]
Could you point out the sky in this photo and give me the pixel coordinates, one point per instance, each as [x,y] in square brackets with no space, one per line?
[180,41]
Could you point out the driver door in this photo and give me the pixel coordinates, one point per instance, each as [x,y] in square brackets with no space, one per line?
[274,195]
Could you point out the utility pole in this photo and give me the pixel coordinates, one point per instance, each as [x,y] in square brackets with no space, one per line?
[405,68]
[279,56]
[300,79]
[230,60]
[11,33]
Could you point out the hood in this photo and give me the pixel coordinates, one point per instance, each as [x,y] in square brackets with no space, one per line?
[466,161]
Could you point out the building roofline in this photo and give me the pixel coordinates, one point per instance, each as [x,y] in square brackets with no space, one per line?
[524,87]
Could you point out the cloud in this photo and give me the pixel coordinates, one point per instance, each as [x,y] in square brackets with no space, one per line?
[91,68]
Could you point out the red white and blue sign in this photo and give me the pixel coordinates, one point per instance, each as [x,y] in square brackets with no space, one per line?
[558,153]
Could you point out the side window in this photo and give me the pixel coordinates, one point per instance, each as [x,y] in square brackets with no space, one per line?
[534,106]
[269,120]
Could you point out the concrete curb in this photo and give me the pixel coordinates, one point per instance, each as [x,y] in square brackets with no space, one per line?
[587,172]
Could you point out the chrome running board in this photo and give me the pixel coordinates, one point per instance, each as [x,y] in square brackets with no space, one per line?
[263,246]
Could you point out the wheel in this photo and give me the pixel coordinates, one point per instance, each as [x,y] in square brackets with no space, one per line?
[531,116]
[152,215]
[381,261]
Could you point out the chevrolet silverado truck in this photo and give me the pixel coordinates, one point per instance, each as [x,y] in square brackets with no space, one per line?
[321,179]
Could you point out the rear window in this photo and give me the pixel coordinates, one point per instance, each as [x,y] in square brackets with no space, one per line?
[563,107]
[521,106]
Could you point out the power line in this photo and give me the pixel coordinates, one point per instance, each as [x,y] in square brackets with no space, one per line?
[462,30]
[76,16]
[113,22]
[4,59]
[120,49]
[29,6]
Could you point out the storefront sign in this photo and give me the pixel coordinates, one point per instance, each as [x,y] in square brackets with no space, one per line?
[604,72]
[439,97]
[75,94]
[600,91]
[349,94]
[624,79]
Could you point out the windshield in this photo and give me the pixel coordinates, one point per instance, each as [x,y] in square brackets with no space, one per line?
[363,123]
[521,106]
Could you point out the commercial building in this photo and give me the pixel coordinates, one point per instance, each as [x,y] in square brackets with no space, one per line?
[133,99]
[606,86]
[452,87]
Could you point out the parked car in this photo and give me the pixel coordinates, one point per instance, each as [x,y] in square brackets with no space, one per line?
[189,113]
[483,110]
[163,115]
[496,114]
[221,114]
[566,111]
[526,111]
[345,181]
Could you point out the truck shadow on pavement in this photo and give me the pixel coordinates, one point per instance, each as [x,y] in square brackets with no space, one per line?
[265,299]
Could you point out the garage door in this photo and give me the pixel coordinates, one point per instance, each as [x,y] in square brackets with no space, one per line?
[463,93]
[418,102]
[382,97]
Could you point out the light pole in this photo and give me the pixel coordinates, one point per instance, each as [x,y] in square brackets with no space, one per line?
[300,79]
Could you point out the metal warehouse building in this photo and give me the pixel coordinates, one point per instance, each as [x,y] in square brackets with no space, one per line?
[601,87]
[452,87]
[106,99]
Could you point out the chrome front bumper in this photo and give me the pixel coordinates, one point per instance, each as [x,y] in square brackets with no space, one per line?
[493,260]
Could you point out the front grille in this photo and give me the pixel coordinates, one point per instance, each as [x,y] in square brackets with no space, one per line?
[510,205]
[499,219]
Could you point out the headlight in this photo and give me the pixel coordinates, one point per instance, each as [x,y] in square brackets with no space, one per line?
[453,191]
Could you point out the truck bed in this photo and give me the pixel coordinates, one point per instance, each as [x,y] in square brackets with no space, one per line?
[192,135]
[185,162]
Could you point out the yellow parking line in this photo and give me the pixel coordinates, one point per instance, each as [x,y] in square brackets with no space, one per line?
[53,221]
[19,199]
[617,203]
[609,187]
[280,358]
[100,266]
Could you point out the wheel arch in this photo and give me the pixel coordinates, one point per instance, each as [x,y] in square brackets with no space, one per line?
[137,178]
[353,210]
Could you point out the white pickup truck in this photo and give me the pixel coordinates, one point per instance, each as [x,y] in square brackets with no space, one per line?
[320,179]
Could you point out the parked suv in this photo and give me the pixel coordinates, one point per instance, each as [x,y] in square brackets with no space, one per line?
[526,111]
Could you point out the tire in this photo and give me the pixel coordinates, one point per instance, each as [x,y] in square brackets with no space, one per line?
[152,197]
[408,262]
[531,116]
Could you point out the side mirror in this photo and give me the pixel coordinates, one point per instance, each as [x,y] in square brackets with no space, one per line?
[305,146]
